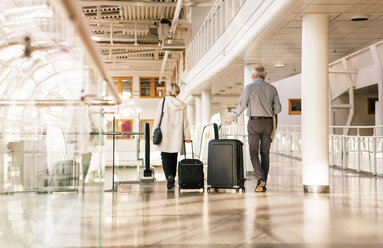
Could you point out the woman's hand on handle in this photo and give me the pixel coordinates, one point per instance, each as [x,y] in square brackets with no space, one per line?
[187,141]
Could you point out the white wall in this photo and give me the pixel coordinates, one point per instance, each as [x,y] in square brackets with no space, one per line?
[291,88]
[126,149]
[288,88]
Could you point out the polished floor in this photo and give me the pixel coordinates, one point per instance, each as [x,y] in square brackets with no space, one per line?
[147,215]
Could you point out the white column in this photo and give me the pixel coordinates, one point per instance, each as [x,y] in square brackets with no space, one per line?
[379,103]
[315,150]
[198,120]
[198,109]
[206,102]
[191,114]
[247,80]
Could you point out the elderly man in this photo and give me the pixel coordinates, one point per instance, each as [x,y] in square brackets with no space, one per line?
[262,101]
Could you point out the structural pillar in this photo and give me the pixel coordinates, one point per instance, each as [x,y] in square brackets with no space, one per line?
[198,122]
[191,114]
[198,108]
[206,102]
[315,148]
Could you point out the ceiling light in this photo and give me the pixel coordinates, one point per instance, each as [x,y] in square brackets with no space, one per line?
[279,65]
[95,38]
[359,18]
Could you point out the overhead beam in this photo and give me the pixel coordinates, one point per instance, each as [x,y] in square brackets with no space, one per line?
[335,71]
[173,28]
[128,46]
[142,22]
[341,106]
[75,15]
[90,3]
[84,3]
[136,60]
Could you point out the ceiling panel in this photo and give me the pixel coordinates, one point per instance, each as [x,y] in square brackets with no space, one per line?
[326,8]
[332,1]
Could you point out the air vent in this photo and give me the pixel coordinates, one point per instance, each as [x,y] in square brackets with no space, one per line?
[359,18]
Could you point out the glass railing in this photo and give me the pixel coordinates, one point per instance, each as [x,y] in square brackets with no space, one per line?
[47,160]
[357,148]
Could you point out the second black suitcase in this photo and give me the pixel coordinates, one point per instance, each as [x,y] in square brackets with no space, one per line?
[225,164]
[190,173]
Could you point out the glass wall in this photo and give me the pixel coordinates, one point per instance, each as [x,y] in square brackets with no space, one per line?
[52,109]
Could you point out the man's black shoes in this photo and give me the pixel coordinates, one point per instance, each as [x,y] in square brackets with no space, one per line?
[261,185]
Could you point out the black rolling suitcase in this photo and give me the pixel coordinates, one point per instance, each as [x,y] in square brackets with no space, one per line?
[225,165]
[190,173]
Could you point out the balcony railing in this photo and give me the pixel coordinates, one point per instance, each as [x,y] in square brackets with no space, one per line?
[361,150]
[215,24]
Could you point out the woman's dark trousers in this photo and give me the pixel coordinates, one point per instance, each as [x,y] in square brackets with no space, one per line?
[169,163]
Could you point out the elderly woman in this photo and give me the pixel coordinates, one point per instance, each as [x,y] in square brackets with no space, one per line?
[175,129]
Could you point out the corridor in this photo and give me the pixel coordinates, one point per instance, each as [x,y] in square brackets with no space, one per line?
[147,215]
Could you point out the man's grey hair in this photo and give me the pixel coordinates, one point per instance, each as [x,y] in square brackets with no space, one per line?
[259,71]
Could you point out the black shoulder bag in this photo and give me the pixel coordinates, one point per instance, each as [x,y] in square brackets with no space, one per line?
[157,135]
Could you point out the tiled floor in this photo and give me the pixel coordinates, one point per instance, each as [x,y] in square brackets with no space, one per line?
[146,214]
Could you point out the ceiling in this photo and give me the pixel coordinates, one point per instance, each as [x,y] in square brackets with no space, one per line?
[128,31]
[281,44]
[131,31]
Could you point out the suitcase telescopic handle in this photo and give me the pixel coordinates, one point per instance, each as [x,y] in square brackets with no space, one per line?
[191,142]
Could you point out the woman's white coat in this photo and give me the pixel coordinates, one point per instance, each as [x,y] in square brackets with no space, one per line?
[175,125]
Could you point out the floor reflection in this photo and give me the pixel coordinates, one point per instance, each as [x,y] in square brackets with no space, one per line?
[147,214]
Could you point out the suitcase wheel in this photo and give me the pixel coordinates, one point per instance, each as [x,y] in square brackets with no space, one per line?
[216,190]
[208,190]
[243,190]
[237,191]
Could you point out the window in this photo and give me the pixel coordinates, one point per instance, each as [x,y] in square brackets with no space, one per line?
[124,85]
[151,88]
[295,107]
[371,105]
[142,127]
[122,125]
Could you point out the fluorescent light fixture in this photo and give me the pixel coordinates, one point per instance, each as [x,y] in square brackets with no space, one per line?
[279,65]
[95,38]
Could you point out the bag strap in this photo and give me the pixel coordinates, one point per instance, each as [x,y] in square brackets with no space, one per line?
[191,142]
[162,112]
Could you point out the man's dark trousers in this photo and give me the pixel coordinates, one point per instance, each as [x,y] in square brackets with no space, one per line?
[260,137]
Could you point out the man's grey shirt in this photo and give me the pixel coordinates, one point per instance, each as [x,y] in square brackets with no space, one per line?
[260,98]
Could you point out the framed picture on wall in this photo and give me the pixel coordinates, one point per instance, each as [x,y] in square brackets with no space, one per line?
[124,125]
[295,107]
[371,105]
[121,125]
